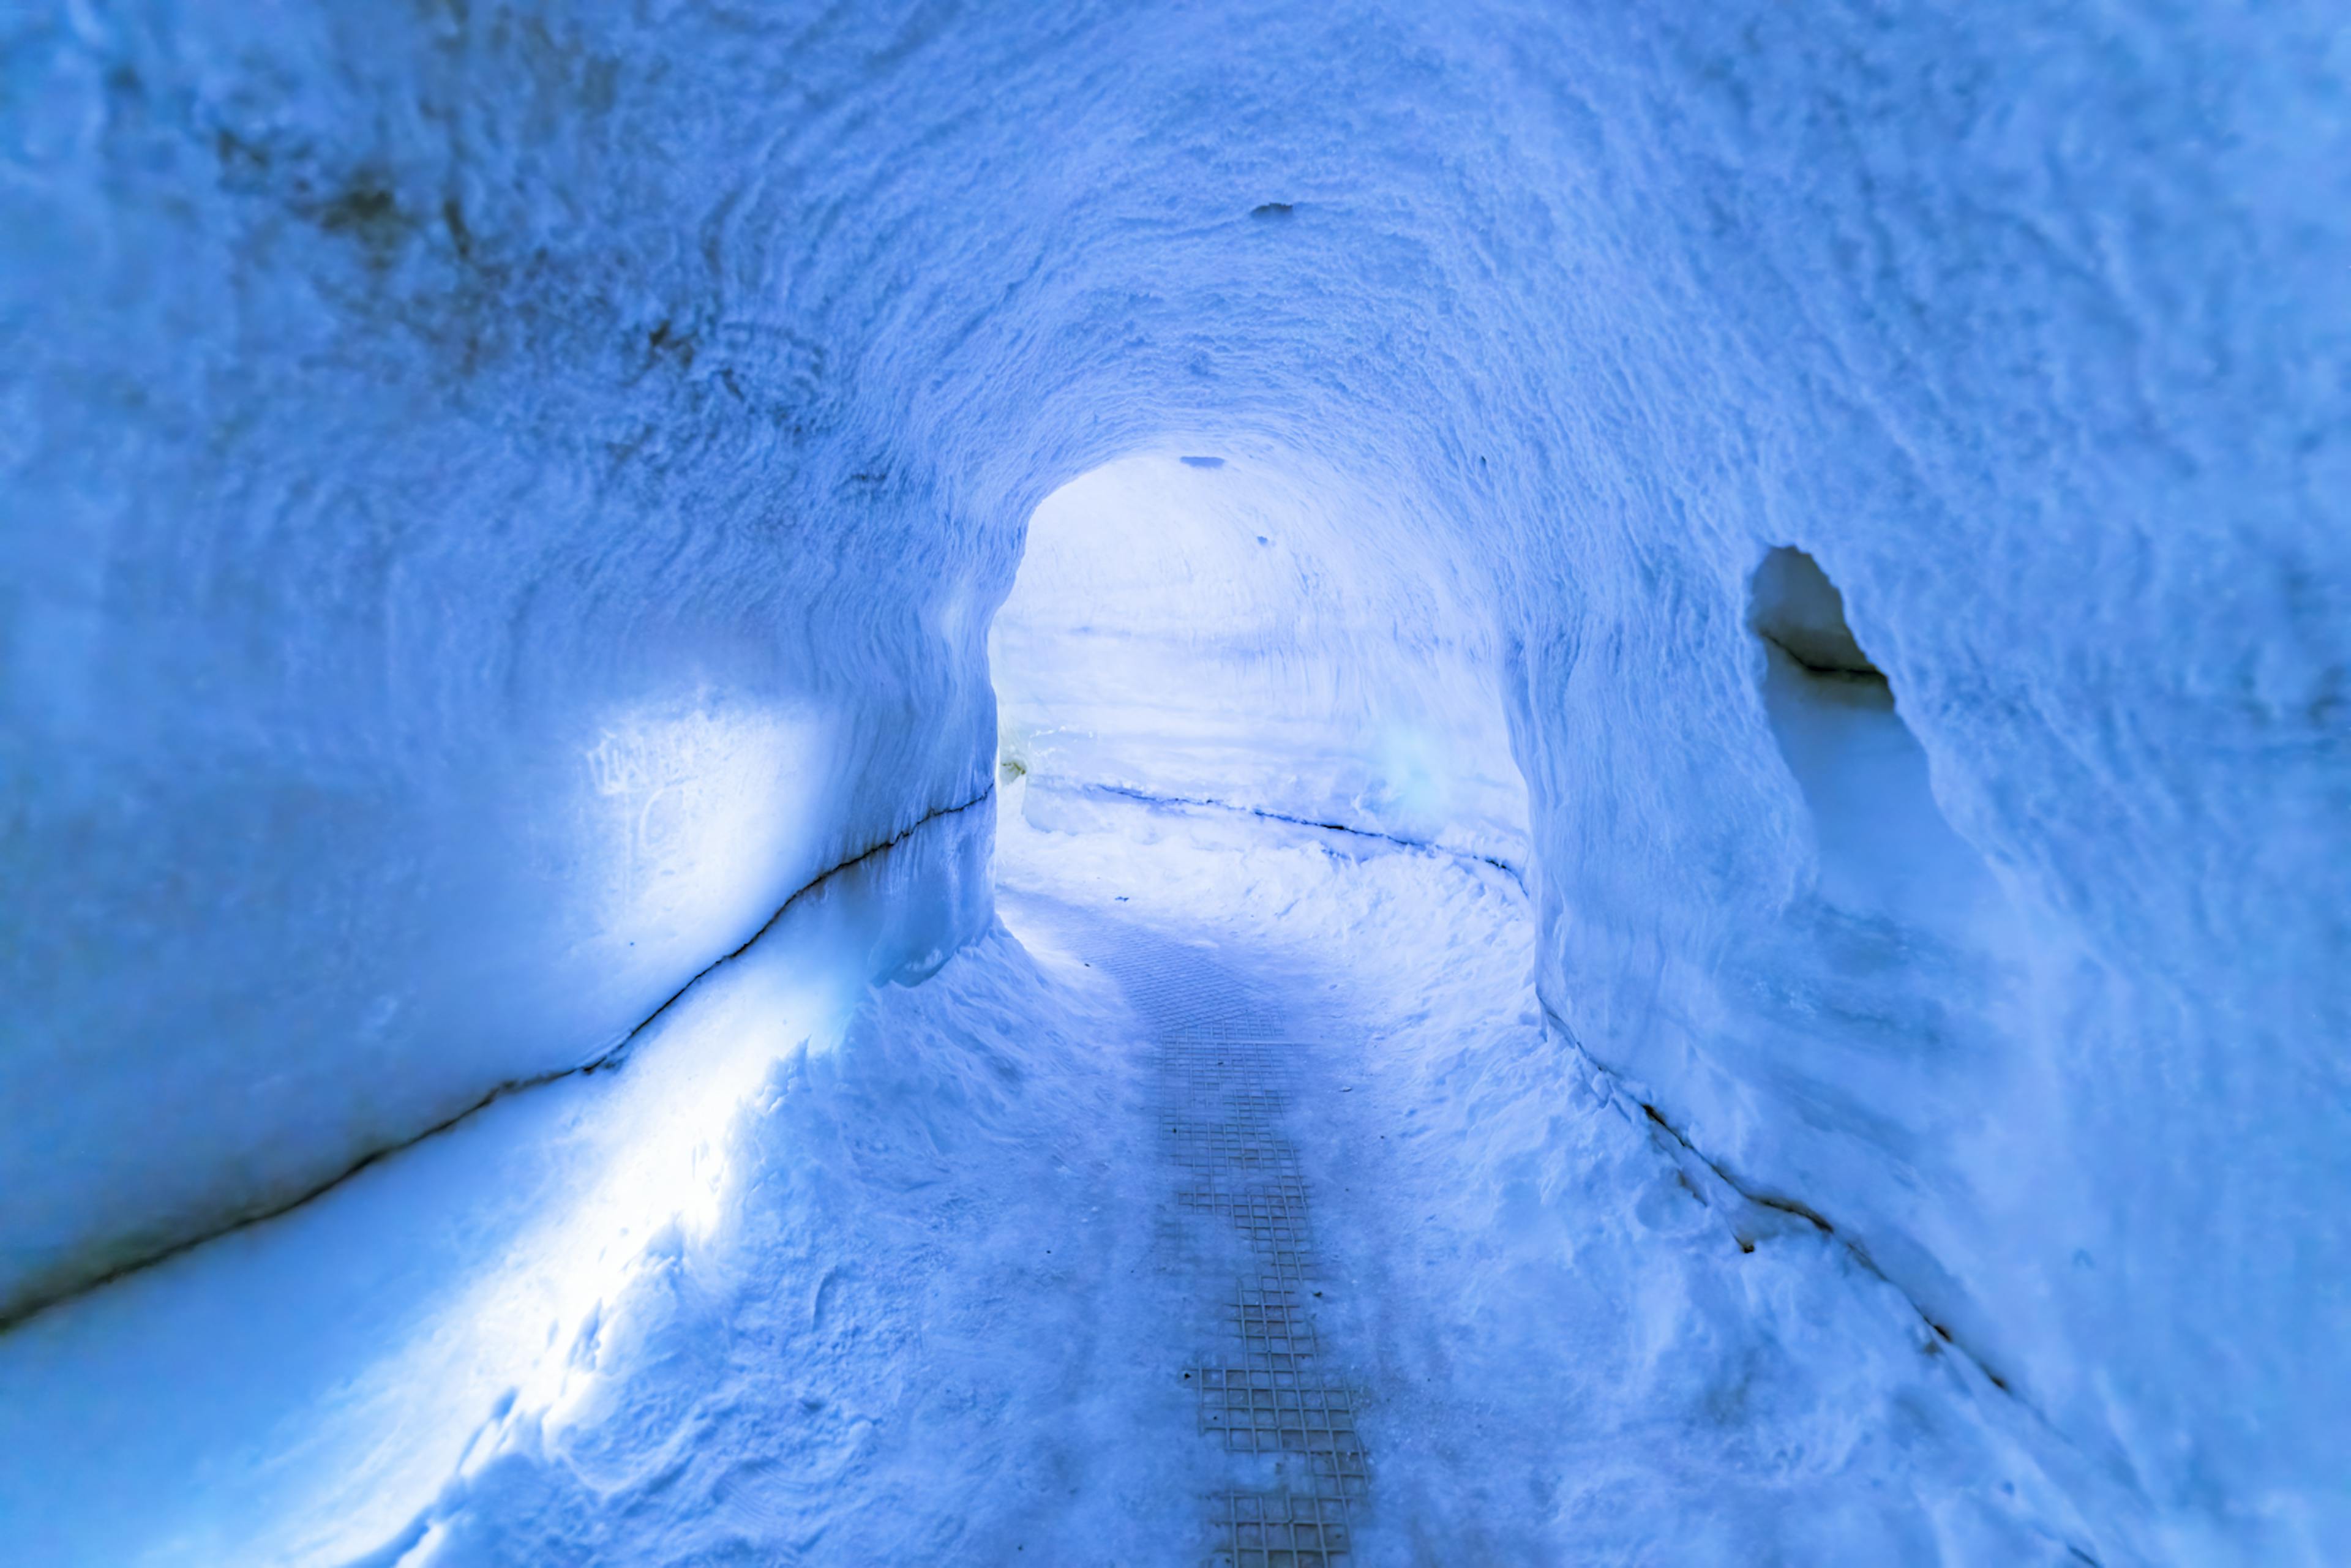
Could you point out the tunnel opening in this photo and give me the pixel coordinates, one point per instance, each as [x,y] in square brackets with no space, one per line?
[1247,630]
[1256,772]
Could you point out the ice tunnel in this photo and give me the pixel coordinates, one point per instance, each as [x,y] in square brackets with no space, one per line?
[1255,783]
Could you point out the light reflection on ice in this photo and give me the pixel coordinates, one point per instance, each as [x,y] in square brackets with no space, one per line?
[654,1162]
[703,811]
[332,1369]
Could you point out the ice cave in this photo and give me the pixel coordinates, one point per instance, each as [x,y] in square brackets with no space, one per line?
[1250,783]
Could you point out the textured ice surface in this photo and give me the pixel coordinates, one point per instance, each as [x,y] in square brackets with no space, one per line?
[498,495]
[833,1276]
[303,1390]
[1587,1348]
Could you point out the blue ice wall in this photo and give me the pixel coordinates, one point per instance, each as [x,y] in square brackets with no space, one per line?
[498,495]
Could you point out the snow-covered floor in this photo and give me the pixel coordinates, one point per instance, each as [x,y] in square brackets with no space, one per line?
[933,1294]
[1570,1351]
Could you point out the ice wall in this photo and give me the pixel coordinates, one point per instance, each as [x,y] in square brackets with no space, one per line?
[490,485]
[310,1390]
[454,590]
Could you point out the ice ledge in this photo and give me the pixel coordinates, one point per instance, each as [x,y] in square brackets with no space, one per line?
[1701,1173]
[1206,803]
[610,1058]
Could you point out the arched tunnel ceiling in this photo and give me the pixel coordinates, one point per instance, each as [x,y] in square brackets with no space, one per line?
[475,469]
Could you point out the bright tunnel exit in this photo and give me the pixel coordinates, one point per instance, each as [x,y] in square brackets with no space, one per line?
[1247,628]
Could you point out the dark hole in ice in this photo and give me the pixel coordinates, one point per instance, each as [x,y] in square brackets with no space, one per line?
[1884,846]
[1271,210]
[361,206]
[1797,609]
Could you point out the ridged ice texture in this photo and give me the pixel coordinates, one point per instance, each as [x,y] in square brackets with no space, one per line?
[497,495]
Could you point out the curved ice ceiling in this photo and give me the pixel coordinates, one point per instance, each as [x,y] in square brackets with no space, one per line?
[501,495]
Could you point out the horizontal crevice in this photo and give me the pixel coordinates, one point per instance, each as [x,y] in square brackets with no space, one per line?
[1820,1222]
[1128,793]
[1830,669]
[608,1060]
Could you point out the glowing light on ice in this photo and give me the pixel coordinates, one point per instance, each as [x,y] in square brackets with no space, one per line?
[705,806]
[665,1180]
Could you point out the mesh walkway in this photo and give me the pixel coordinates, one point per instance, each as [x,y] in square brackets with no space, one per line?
[1239,1224]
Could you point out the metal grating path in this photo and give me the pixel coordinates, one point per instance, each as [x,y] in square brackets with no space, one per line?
[1273,1395]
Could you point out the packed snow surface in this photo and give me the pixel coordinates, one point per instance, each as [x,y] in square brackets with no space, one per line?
[301,1389]
[501,496]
